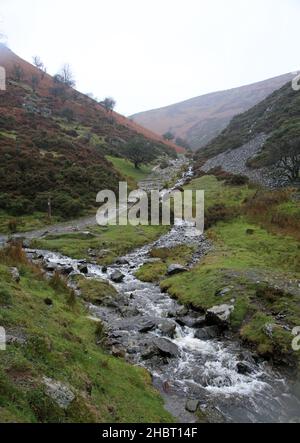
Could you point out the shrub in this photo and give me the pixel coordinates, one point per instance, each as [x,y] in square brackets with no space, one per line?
[12,226]
[219,212]
[58,283]
[5,296]
[237,180]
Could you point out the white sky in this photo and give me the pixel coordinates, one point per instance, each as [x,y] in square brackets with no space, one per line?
[151,53]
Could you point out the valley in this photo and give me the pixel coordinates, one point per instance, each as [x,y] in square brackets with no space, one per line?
[147,324]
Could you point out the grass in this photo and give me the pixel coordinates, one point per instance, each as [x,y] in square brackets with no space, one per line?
[153,272]
[61,344]
[107,243]
[25,223]
[127,169]
[93,291]
[247,251]
[10,135]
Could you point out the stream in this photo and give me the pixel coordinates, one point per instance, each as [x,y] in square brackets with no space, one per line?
[152,330]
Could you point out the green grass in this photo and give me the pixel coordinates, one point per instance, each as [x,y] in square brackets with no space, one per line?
[93,291]
[108,243]
[61,344]
[218,193]
[10,135]
[244,255]
[127,169]
[25,223]
[153,272]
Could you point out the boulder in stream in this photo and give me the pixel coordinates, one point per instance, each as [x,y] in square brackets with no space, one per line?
[192,322]
[161,347]
[192,405]
[208,333]
[167,328]
[83,268]
[122,261]
[219,315]
[117,277]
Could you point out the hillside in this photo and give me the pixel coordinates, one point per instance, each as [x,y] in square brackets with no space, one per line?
[258,138]
[53,143]
[200,119]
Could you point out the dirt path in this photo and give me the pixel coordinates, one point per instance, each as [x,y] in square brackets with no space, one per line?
[58,228]
[88,221]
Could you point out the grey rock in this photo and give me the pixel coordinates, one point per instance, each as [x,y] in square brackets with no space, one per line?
[167,328]
[128,311]
[222,292]
[160,347]
[243,368]
[183,311]
[192,322]
[12,339]
[51,267]
[219,315]
[147,326]
[268,329]
[210,414]
[208,333]
[166,347]
[59,392]
[192,405]
[83,269]
[15,274]
[117,277]
[122,261]
[66,270]
[176,269]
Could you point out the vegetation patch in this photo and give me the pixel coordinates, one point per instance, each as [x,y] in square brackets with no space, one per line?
[60,343]
[106,244]
[154,272]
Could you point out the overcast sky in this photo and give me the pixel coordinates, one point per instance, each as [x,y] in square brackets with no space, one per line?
[151,53]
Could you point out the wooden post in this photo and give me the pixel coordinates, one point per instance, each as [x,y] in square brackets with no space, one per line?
[49,209]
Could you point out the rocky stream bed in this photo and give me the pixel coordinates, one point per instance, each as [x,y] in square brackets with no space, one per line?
[200,369]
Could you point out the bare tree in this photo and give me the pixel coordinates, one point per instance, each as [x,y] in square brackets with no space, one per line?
[35,81]
[65,76]
[40,65]
[109,104]
[38,62]
[17,73]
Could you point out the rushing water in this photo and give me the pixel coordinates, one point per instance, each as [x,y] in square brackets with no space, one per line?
[204,370]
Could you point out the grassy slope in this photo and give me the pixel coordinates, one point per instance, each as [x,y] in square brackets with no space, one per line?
[127,169]
[61,344]
[278,114]
[244,253]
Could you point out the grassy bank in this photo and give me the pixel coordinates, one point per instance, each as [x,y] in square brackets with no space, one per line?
[104,243]
[56,339]
[128,171]
[255,257]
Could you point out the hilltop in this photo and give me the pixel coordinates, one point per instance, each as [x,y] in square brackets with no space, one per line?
[200,119]
[260,140]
